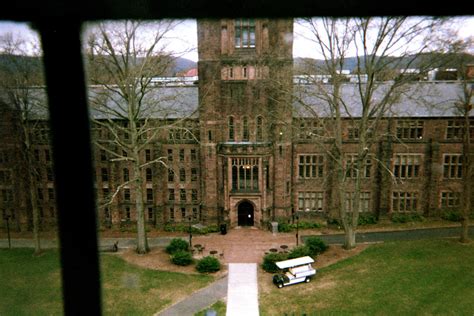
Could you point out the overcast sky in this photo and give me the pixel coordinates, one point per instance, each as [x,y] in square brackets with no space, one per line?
[184,36]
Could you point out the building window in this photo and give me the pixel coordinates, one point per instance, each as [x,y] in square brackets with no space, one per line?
[182,175]
[452,166]
[170,154]
[51,194]
[171,214]
[148,175]
[103,155]
[245,129]
[126,195]
[455,130]
[149,195]
[364,201]
[407,166]
[404,201]
[351,167]
[311,166]
[353,133]
[259,133]
[170,194]
[150,213]
[170,175]
[194,174]
[231,128]
[127,213]
[195,213]
[107,213]
[181,155]
[47,155]
[450,199]
[8,195]
[126,175]
[244,174]
[49,174]
[193,155]
[245,33]
[183,213]
[147,155]
[310,129]
[104,174]
[194,195]
[310,201]
[182,195]
[105,194]
[410,130]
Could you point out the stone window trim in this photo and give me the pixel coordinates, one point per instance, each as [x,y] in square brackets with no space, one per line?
[351,171]
[449,199]
[410,130]
[244,33]
[407,166]
[365,201]
[452,166]
[310,166]
[311,201]
[404,202]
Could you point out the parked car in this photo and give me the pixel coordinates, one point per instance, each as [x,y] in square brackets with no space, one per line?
[294,271]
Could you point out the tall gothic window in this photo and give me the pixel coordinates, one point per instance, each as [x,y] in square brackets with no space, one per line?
[245,129]
[245,33]
[231,128]
[259,128]
[245,174]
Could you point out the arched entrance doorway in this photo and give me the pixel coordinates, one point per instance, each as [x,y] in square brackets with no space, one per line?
[245,214]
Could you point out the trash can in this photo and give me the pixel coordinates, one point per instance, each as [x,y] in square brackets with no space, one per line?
[223,229]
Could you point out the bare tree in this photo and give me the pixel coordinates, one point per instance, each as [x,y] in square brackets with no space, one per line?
[123,59]
[389,45]
[21,74]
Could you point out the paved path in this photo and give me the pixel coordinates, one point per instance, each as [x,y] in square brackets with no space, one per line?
[242,291]
[199,300]
[413,234]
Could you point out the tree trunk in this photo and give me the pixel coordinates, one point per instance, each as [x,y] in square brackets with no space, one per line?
[142,242]
[350,238]
[30,169]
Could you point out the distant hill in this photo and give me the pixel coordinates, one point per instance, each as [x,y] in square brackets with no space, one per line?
[7,62]
[183,64]
[301,65]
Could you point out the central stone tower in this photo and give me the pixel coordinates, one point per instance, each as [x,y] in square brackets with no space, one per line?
[245,83]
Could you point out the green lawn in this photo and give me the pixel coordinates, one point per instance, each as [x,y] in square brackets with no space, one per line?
[219,307]
[31,285]
[398,278]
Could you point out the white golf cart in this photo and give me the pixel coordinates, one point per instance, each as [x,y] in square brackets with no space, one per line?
[294,271]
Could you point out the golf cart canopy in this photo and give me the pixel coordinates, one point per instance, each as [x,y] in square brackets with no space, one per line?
[294,262]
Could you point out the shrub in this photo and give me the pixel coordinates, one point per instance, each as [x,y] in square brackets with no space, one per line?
[367,219]
[270,259]
[315,245]
[452,216]
[300,251]
[284,227]
[208,264]
[176,245]
[405,218]
[182,258]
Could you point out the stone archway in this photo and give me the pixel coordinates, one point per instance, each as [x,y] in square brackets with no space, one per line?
[245,214]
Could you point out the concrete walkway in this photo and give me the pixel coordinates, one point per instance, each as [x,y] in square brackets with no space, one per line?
[199,300]
[242,291]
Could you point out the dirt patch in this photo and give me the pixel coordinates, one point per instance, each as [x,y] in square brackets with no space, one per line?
[158,259]
[336,253]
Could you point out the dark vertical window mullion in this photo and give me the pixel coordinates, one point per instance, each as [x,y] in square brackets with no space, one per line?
[69,119]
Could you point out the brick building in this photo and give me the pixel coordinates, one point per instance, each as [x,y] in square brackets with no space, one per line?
[240,148]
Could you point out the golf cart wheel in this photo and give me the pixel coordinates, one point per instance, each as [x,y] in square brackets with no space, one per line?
[280,285]
[307,280]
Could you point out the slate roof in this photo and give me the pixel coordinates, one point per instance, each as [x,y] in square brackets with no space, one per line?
[422,99]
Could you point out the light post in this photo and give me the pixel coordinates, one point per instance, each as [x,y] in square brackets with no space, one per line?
[190,233]
[6,217]
[297,237]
